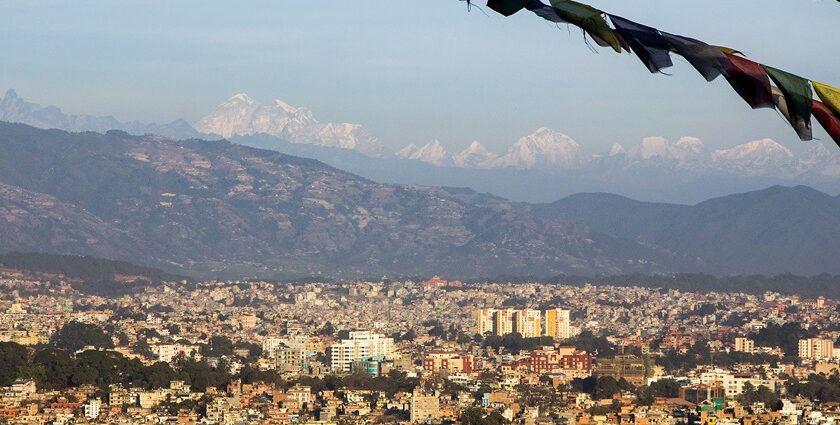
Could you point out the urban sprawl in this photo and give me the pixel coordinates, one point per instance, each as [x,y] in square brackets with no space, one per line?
[431,352]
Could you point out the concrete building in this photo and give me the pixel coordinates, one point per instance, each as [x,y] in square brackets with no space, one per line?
[425,408]
[505,321]
[92,408]
[448,361]
[733,384]
[528,323]
[558,323]
[816,348]
[744,345]
[358,345]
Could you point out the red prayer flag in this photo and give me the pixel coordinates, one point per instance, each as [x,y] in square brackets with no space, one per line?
[749,80]
[826,118]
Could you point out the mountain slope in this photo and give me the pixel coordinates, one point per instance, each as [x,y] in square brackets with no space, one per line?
[219,208]
[776,230]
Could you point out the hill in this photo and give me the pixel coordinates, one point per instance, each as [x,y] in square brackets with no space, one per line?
[220,209]
[771,231]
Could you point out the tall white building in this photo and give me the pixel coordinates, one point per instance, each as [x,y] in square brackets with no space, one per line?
[484,320]
[527,322]
[92,408]
[359,345]
[816,348]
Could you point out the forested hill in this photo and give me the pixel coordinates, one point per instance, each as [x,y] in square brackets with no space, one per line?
[83,268]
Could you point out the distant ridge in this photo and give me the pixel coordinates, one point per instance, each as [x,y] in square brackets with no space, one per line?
[85,268]
[776,230]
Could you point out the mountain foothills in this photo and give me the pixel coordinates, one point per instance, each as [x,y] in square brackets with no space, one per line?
[776,230]
[540,167]
[216,208]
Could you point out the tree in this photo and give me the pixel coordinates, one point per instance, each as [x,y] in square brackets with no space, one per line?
[58,367]
[74,336]
[328,329]
[587,341]
[660,388]
[13,357]
[218,346]
[761,394]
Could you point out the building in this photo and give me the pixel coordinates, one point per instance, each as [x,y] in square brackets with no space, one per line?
[631,368]
[569,361]
[358,345]
[484,320]
[448,361]
[168,352]
[558,323]
[733,384]
[744,345]
[92,408]
[816,348]
[374,366]
[289,358]
[699,393]
[425,408]
[526,322]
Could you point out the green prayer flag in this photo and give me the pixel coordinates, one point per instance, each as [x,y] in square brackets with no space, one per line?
[798,96]
[506,7]
[587,18]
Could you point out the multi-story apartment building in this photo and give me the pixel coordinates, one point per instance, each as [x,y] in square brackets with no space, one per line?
[744,345]
[733,384]
[816,348]
[570,361]
[449,361]
[527,322]
[357,346]
[558,323]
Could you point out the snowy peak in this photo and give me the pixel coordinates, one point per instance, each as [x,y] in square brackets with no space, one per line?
[762,157]
[757,149]
[474,156]
[617,149]
[660,149]
[241,116]
[433,153]
[545,148]
[240,98]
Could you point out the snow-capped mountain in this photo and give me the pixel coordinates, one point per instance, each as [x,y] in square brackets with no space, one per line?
[659,148]
[241,116]
[433,153]
[15,109]
[762,157]
[543,149]
[553,152]
[474,156]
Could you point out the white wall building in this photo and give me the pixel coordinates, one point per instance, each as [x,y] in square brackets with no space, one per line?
[358,346]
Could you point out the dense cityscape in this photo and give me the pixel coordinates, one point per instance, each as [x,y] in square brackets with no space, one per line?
[426,351]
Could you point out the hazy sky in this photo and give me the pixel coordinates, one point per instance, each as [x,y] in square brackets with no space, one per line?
[410,71]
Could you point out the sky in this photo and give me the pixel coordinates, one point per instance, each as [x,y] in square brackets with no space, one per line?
[411,71]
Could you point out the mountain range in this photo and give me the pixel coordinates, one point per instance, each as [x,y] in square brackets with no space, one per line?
[214,208]
[540,167]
